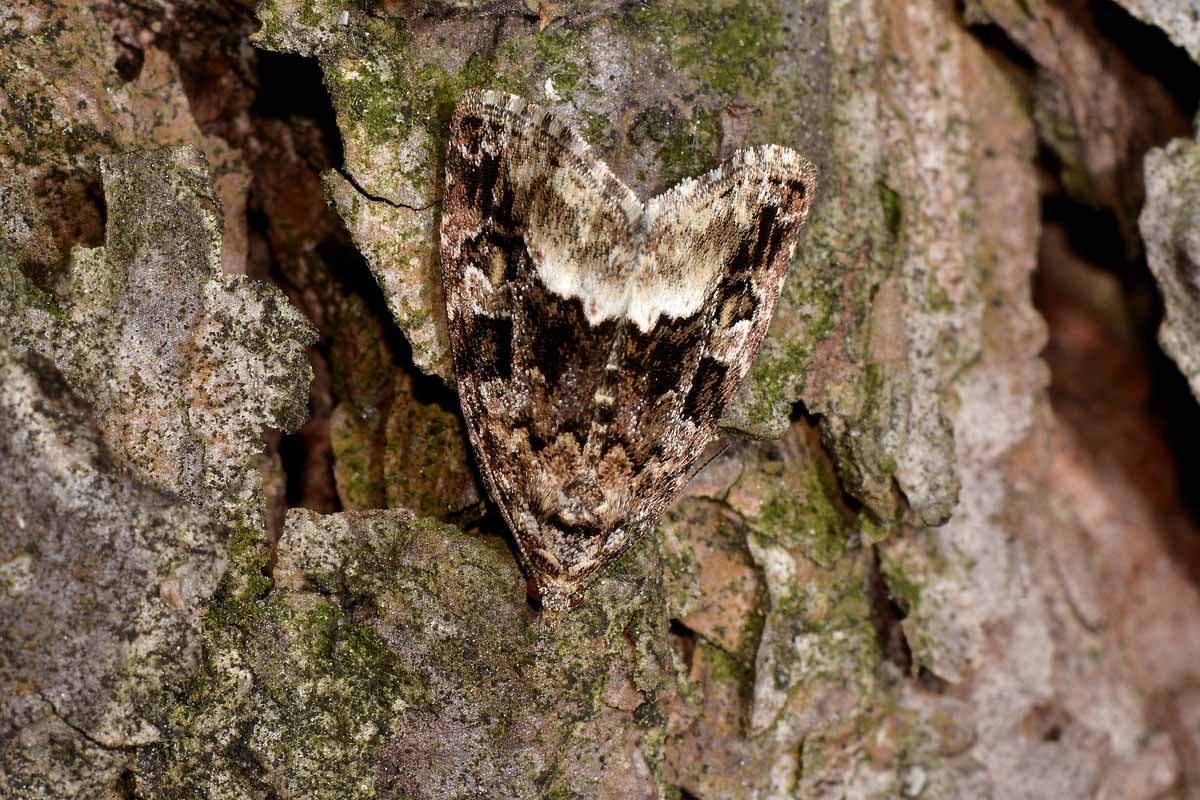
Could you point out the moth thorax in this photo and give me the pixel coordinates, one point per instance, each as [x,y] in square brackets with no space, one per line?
[581,500]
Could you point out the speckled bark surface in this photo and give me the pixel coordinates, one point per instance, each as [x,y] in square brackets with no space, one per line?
[1170,223]
[102,578]
[367,669]
[955,559]
[134,404]
[183,365]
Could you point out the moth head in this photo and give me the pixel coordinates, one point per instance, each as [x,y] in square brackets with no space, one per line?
[558,598]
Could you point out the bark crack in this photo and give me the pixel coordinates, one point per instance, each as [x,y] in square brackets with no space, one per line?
[378,198]
[61,717]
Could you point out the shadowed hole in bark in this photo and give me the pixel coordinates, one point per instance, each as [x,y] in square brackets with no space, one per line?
[127,785]
[310,448]
[79,218]
[1046,722]
[129,61]
[683,639]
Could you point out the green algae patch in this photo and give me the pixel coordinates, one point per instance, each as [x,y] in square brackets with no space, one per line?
[809,519]
[39,311]
[902,587]
[688,147]
[248,577]
[381,639]
[728,48]
[555,54]
[293,689]
[801,504]
[817,638]
[893,209]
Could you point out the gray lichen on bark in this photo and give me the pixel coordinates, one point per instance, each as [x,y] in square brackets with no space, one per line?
[134,405]
[102,576]
[162,342]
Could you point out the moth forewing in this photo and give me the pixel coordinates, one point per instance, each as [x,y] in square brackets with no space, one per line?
[597,339]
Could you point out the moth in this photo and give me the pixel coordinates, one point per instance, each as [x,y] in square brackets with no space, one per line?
[597,338]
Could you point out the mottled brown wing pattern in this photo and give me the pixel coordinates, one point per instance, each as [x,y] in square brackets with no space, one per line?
[597,340]
[536,235]
[724,243]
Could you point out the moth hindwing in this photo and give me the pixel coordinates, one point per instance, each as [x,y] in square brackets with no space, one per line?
[597,338]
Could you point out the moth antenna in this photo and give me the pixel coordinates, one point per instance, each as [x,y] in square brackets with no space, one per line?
[697,470]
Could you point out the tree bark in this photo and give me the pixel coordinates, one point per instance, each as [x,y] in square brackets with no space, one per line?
[952,549]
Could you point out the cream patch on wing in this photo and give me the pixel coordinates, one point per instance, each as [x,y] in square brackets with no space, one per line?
[587,260]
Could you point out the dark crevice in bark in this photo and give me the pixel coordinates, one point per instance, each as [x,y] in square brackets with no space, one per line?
[80,218]
[353,276]
[290,89]
[1094,234]
[289,86]
[684,640]
[533,600]
[294,456]
[94,191]
[1169,413]
[1172,403]
[932,683]
[849,502]
[1000,45]
[800,763]
[1170,410]
[300,452]
[887,614]
[378,198]
[1150,50]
